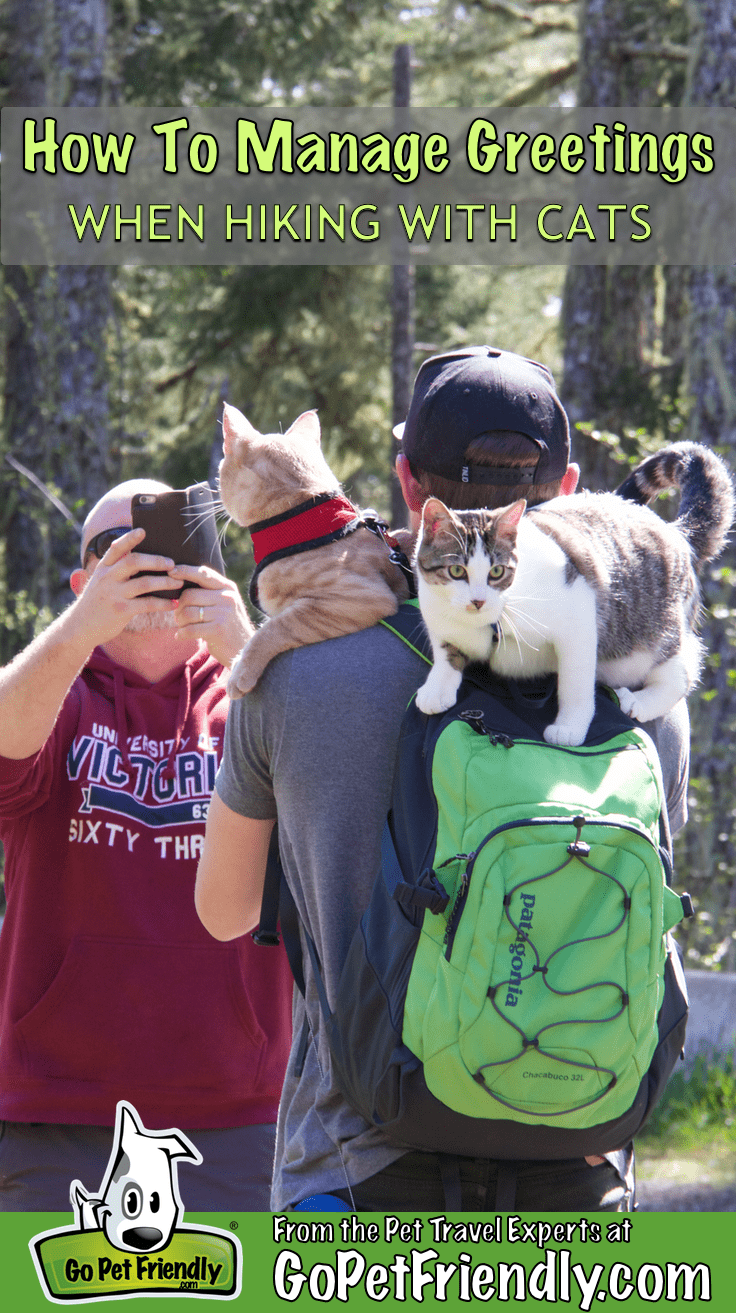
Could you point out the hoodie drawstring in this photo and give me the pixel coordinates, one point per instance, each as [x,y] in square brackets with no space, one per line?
[121,719]
[182,713]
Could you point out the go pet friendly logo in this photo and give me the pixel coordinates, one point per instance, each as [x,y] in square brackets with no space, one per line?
[127,1240]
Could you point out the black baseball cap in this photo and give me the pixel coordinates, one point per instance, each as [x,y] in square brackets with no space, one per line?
[466,394]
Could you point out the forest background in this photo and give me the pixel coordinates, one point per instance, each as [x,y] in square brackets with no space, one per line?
[111,373]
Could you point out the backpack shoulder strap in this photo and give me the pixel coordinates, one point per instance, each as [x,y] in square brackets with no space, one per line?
[407,624]
[279,912]
[278,909]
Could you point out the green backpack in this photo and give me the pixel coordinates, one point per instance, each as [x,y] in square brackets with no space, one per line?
[512,990]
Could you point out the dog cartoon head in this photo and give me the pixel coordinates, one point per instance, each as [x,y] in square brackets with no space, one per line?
[138,1204]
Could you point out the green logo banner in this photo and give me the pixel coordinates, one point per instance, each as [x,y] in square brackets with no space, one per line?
[358,1262]
[76,1266]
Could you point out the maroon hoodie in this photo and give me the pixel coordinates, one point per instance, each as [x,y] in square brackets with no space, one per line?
[110,987]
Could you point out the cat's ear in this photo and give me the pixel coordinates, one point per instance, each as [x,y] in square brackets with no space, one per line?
[435,517]
[508,523]
[305,428]
[235,425]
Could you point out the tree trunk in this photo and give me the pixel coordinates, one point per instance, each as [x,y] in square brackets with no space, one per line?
[402,376]
[607,322]
[56,372]
[585,318]
[402,314]
[583,322]
[608,313]
[709,843]
[601,29]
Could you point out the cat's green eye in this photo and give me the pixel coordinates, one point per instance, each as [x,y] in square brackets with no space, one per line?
[457,572]
[496,571]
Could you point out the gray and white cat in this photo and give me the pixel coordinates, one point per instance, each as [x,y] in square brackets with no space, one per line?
[591,586]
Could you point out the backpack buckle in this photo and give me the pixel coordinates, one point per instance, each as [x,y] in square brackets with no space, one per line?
[428,894]
[266,938]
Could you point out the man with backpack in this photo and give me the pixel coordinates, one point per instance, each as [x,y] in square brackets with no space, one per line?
[315,745]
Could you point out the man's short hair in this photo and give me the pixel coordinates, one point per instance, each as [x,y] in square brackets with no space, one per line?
[500,449]
[487,427]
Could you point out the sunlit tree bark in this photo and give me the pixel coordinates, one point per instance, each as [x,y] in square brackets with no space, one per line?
[56,404]
[710,840]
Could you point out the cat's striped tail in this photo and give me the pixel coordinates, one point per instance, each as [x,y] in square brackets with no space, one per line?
[706,493]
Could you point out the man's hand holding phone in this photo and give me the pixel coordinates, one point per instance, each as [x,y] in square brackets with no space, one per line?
[158,561]
[182,523]
[212,609]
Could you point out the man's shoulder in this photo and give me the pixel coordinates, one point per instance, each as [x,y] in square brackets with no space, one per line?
[374,652]
[336,678]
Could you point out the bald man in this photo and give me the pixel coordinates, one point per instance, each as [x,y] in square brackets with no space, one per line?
[111,731]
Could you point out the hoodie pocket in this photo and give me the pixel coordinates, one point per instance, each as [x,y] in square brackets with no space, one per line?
[122,1010]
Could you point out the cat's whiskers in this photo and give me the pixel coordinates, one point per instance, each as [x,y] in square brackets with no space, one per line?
[195,516]
[222,533]
[502,634]
[512,609]
[214,507]
[508,613]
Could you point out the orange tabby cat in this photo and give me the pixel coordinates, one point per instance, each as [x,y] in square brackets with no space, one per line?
[323,592]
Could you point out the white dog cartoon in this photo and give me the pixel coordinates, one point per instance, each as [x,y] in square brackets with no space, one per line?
[138,1204]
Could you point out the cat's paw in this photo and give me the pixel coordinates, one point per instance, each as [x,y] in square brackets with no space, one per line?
[566,735]
[433,697]
[627,701]
[642,706]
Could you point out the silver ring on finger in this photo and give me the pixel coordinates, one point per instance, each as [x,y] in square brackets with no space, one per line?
[201,614]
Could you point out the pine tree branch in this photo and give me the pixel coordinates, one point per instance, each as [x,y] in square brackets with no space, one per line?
[539,24]
[504,7]
[649,50]
[179,376]
[188,372]
[527,95]
[44,488]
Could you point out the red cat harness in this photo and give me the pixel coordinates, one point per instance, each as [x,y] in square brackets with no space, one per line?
[322,519]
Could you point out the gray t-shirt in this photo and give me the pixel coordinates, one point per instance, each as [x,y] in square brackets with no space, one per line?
[315,743]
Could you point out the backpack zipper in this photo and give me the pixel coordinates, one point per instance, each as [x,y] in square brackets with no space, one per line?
[474,720]
[457,909]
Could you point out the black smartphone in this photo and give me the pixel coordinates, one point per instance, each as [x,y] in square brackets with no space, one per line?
[180,524]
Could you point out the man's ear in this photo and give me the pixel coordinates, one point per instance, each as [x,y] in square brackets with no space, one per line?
[569,481]
[412,490]
[78,580]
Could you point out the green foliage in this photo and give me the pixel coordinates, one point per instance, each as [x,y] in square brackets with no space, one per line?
[276,342]
[697,1104]
[704,866]
[227,52]
[287,340]
[340,52]
[19,615]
